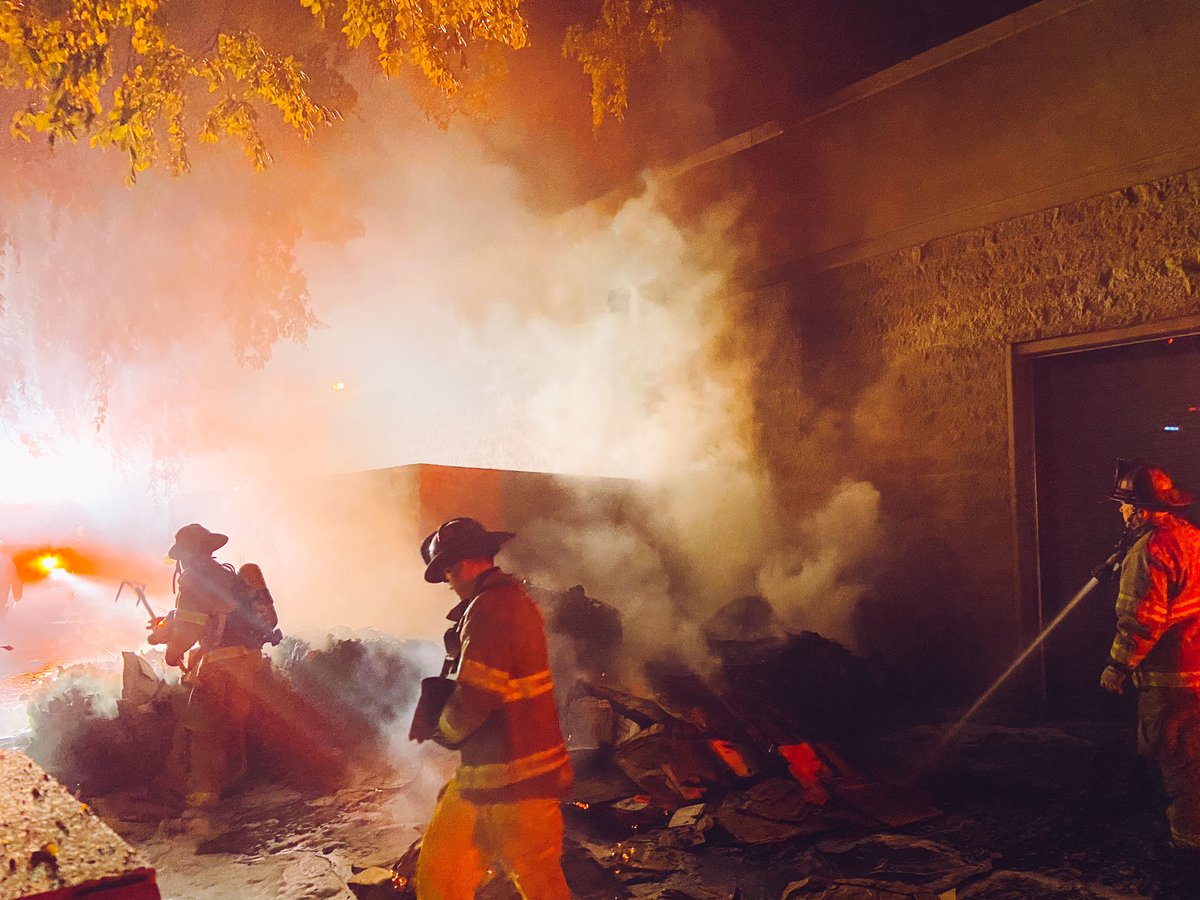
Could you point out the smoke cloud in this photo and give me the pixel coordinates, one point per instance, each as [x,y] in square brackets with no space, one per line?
[424,311]
[829,565]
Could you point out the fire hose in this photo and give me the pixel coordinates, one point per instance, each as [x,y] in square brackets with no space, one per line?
[1099,575]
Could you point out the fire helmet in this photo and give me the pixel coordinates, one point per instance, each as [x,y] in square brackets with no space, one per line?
[1147,487]
[196,538]
[456,540]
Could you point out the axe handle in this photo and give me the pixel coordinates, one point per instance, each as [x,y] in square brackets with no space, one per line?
[142,600]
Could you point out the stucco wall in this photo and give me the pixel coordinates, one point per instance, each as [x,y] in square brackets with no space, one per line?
[895,370]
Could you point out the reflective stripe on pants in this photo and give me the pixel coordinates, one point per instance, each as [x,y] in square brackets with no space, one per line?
[464,838]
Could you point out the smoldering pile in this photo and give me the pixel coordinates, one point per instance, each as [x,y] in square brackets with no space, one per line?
[319,714]
[679,781]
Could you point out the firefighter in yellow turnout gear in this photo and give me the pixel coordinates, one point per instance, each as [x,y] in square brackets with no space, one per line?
[217,614]
[502,806]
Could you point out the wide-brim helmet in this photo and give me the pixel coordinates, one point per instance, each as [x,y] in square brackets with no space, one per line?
[1147,487]
[456,540]
[195,538]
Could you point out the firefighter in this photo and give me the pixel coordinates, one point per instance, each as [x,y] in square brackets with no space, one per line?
[1157,645]
[223,646]
[502,806]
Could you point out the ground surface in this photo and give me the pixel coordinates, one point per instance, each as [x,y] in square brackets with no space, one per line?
[1053,812]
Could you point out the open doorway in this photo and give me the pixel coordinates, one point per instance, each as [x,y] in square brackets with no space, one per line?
[1089,405]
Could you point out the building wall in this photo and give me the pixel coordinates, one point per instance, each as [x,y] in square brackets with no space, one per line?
[1061,100]
[1019,183]
[895,369]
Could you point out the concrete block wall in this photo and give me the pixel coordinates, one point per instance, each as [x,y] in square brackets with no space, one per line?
[895,369]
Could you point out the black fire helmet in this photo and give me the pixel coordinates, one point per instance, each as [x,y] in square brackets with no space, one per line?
[1147,487]
[198,539]
[456,540]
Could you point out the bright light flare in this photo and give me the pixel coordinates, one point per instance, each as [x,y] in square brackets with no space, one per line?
[52,562]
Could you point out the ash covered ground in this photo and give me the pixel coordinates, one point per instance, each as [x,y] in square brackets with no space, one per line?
[787,771]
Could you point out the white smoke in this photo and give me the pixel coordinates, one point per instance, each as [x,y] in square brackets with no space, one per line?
[461,327]
[815,582]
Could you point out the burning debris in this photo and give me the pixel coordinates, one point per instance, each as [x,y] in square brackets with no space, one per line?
[693,764]
[657,797]
[679,793]
[698,766]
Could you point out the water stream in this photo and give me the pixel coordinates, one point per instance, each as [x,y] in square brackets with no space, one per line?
[1100,574]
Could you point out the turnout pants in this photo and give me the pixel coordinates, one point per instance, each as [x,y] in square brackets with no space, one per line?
[212,739]
[1169,734]
[464,839]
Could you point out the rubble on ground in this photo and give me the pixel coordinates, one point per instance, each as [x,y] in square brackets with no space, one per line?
[75,736]
[732,783]
[318,714]
[664,781]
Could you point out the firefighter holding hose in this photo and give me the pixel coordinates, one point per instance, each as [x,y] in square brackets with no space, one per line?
[1157,644]
[502,806]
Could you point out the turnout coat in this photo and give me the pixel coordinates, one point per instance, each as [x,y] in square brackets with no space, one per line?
[1158,606]
[502,714]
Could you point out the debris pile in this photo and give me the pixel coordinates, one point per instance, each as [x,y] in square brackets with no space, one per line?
[659,798]
[325,707]
[315,714]
[76,736]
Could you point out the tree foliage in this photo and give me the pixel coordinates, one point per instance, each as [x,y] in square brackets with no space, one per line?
[107,288]
[123,73]
[622,35]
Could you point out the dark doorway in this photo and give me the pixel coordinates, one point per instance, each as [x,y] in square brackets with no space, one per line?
[1137,400]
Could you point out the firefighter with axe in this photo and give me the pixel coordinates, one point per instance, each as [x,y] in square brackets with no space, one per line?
[502,806]
[215,635]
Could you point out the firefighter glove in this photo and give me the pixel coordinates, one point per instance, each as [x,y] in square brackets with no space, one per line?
[1112,680]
